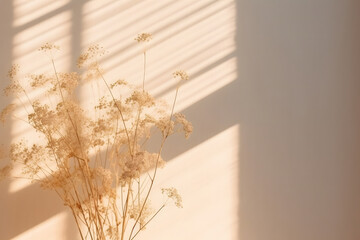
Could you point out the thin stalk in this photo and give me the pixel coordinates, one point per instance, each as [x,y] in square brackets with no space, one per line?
[77,224]
[140,107]
[144,70]
[125,213]
[80,145]
[67,110]
[72,122]
[157,161]
[136,128]
[148,222]
[118,108]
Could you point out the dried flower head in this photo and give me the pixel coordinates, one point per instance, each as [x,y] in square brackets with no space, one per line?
[173,194]
[15,86]
[145,213]
[90,55]
[142,98]
[13,71]
[118,83]
[143,37]
[39,80]
[165,126]
[69,81]
[186,125]
[48,47]
[182,75]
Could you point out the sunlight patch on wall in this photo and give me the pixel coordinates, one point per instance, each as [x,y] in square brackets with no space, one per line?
[38,22]
[17,184]
[26,12]
[209,188]
[35,24]
[196,36]
[206,84]
[53,228]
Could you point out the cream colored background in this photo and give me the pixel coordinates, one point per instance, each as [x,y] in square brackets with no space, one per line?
[274,98]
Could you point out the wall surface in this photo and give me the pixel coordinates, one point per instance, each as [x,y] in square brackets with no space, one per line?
[273,97]
[299,82]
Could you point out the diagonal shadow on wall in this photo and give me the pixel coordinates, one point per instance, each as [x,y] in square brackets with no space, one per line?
[31,206]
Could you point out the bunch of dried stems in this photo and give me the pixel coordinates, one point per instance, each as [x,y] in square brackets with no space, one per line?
[95,159]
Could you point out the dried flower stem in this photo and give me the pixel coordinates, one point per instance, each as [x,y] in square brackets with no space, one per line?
[142,227]
[140,107]
[152,179]
[125,212]
[89,184]
[118,108]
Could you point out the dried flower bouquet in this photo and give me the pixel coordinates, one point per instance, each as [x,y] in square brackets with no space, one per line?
[95,160]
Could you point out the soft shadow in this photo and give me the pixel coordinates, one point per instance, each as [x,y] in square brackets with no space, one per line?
[31,206]
[298,67]
[27,208]
[5,64]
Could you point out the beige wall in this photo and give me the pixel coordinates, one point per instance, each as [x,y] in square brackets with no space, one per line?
[274,99]
[299,83]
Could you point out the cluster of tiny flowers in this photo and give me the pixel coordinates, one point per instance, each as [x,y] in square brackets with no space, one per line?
[145,213]
[39,80]
[14,87]
[13,71]
[106,178]
[181,74]
[187,126]
[166,126]
[118,83]
[142,98]
[69,81]
[173,194]
[143,37]
[92,52]
[48,47]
